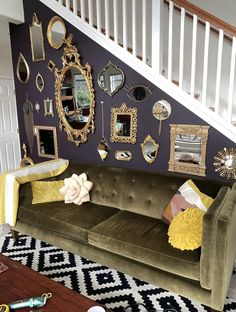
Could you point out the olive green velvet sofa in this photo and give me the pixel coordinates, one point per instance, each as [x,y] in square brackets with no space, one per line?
[121,227]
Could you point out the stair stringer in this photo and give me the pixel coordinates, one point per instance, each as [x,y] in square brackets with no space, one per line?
[206,114]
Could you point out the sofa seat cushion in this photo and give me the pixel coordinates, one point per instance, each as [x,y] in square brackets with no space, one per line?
[71,220]
[144,239]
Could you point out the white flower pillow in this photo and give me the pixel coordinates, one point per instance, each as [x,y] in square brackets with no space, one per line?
[76,189]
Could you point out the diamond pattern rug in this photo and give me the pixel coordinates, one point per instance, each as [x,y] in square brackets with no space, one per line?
[113,289]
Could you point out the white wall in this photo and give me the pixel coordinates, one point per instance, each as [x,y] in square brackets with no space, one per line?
[13,10]
[223,9]
[6,67]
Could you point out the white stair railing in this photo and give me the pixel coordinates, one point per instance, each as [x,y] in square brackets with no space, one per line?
[186,45]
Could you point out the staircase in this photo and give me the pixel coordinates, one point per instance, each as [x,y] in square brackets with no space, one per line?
[182,49]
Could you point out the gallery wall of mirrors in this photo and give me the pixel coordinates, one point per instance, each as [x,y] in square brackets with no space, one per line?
[136,124]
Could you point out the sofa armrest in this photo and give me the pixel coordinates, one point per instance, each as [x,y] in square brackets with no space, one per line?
[224,251]
[209,222]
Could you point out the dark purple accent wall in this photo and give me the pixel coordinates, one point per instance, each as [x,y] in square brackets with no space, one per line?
[98,57]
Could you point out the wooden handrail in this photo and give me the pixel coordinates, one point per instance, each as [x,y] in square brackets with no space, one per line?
[205,16]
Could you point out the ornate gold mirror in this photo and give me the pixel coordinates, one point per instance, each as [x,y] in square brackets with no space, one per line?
[74,96]
[56,32]
[39,81]
[111,78]
[36,39]
[188,148]
[48,107]
[123,155]
[123,124]
[225,163]
[22,69]
[149,149]
[46,141]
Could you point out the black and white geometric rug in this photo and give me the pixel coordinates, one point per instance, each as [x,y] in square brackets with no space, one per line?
[113,289]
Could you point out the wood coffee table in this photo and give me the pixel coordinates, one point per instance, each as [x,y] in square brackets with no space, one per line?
[20,282]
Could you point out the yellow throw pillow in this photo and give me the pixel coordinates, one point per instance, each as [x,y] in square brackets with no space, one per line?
[185,230]
[46,191]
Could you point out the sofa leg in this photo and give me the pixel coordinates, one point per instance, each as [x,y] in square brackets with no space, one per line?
[14,235]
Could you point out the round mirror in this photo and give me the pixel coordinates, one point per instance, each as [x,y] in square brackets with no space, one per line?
[161,110]
[149,149]
[56,32]
[39,82]
[139,93]
[111,79]
[22,69]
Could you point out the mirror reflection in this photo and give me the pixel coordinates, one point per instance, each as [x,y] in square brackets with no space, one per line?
[188,148]
[139,93]
[39,82]
[56,32]
[123,155]
[48,107]
[75,96]
[161,110]
[124,124]
[22,69]
[111,79]
[36,40]
[46,141]
[149,149]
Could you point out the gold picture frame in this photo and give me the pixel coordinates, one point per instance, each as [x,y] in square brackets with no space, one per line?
[123,124]
[188,148]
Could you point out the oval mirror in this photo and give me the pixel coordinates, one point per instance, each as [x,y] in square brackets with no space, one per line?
[36,40]
[111,78]
[56,32]
[39,82]
[149,149]
[139,93]
[75,96]
[22,69]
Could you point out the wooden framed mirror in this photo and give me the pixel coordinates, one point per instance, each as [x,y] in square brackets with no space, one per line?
[22,69]
[46,141]
[56,32]
[188,148]
[123,124]
[36,39]
[111,78]
[74,96]
[149,149]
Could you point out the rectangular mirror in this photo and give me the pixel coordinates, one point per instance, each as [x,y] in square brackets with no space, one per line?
[123,124]
[188,149]
[46,141]
[36,39]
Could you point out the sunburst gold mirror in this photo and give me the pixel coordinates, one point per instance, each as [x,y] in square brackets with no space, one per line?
[74,95]
[22,69]
[123,124]
[36,39]
[149,149]
[188,148]
[225,163]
